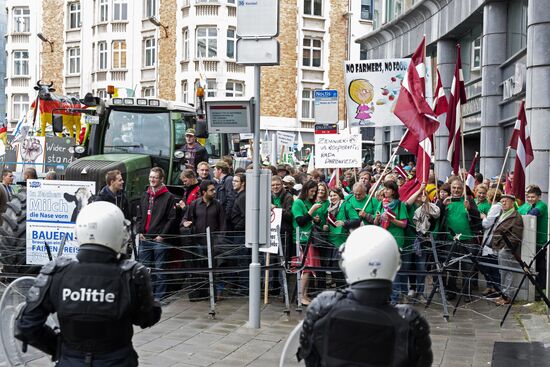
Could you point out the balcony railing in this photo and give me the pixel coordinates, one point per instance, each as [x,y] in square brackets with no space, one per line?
[233,67]
[209,65]
[119,75]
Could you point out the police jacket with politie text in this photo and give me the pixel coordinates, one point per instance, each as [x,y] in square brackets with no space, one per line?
[358,327]
[97,299]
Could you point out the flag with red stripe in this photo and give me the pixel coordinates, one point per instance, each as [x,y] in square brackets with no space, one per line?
[441,105]
[336,174]
[471,179]
[411,106]
[423,151]
[521,142]
[454,116]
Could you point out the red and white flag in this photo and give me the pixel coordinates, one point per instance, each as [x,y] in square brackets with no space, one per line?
[441,105]
[471,178]
[401,172]
[454,116]
[423,151]
[411,106]
[521,142]
[335,178]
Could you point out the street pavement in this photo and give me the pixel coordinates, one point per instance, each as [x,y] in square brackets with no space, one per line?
[188,336]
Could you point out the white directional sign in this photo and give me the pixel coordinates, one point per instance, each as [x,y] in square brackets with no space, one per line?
[326,106]
[257,18]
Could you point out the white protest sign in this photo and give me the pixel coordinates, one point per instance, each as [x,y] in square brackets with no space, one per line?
[275,235]
[52,207]
[337,150]
[286,139]
[372,88]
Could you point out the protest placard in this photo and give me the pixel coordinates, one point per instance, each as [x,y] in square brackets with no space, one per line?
[286,139]
[52,207]
[337,150]
[275,235]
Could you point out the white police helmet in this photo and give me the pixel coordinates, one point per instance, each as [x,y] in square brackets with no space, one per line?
[370,252]
[102,223]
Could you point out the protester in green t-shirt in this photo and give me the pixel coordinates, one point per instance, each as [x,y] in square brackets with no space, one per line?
[483,205]
[358,200]
[535,206]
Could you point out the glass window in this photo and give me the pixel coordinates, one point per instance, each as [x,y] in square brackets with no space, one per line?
[20,106]
[119,54]
[207,42]
[150,51]
[312,52]
[366,9]
[120,10]
[74,15]
[103,11]
[231,1]
[362,52]
[186,44]
[184,92]
[73,55]
[102,55]
[148,92]
[211,88]
[476,54]
[234,88]
[376,21]
[102,93]
[21,62]
[150,8]
[307,104]
[393,9]
[21,20]
[231,42]
[313,7]
[142,133]
[517,27]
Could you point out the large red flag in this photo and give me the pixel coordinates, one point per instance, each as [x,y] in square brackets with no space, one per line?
[454,116]
[521,142]
[471,178]
[411,106]
[423,151]
[441,105]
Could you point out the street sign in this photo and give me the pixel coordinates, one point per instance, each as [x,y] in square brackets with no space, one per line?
[259,51]
[257,18]
[326,128]
[326,106]
[229,116]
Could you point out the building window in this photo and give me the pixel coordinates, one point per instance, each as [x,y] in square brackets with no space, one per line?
[103,11]
[231,42]
[308,101]
[207,42]
[516,38]
[312,52]
[102,55]
[150,8]
[73,55]
[186,44]
[20,63]
[184,92]
[211,87]
[119,54]
[234,89]
[393,9]
[149,51]
[20,106]
[231,1]
[366,9]
[148,92]
[313,7]
[376,20]
[476,54]
[74,15]
[21,20]
[102,93]
[362,52]
[120,10]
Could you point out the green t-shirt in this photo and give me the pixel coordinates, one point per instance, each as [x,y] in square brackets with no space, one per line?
[299,209]
[338,235]
[357,205]
[276,200]
[483,207]
[542,220]
[322,213]
[458,220]
[397,232]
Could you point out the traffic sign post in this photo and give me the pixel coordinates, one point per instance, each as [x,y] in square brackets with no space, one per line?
[326,106]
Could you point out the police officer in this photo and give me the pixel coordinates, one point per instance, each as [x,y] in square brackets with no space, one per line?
[358,326]
[97,297]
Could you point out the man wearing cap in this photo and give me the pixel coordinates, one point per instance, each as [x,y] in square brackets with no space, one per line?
[282,171]
[193,151]
[289,182]
[224,190]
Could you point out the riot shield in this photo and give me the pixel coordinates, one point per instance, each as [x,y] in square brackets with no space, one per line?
[288,356]
[11,303]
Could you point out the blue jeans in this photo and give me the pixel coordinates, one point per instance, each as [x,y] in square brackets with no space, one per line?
[153,255]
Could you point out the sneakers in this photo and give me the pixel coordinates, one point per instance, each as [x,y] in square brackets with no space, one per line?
[488,291]
[502,300]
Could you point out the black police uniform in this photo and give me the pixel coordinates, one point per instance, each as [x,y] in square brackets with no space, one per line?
[97,299]
[358,327]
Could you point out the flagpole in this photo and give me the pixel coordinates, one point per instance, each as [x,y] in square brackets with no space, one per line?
[383,172]
[463,153]
[501,172]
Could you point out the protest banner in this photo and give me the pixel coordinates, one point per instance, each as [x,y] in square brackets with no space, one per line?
[275,235]
[52,207]
[372,88]
[338,150]
[286,139]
